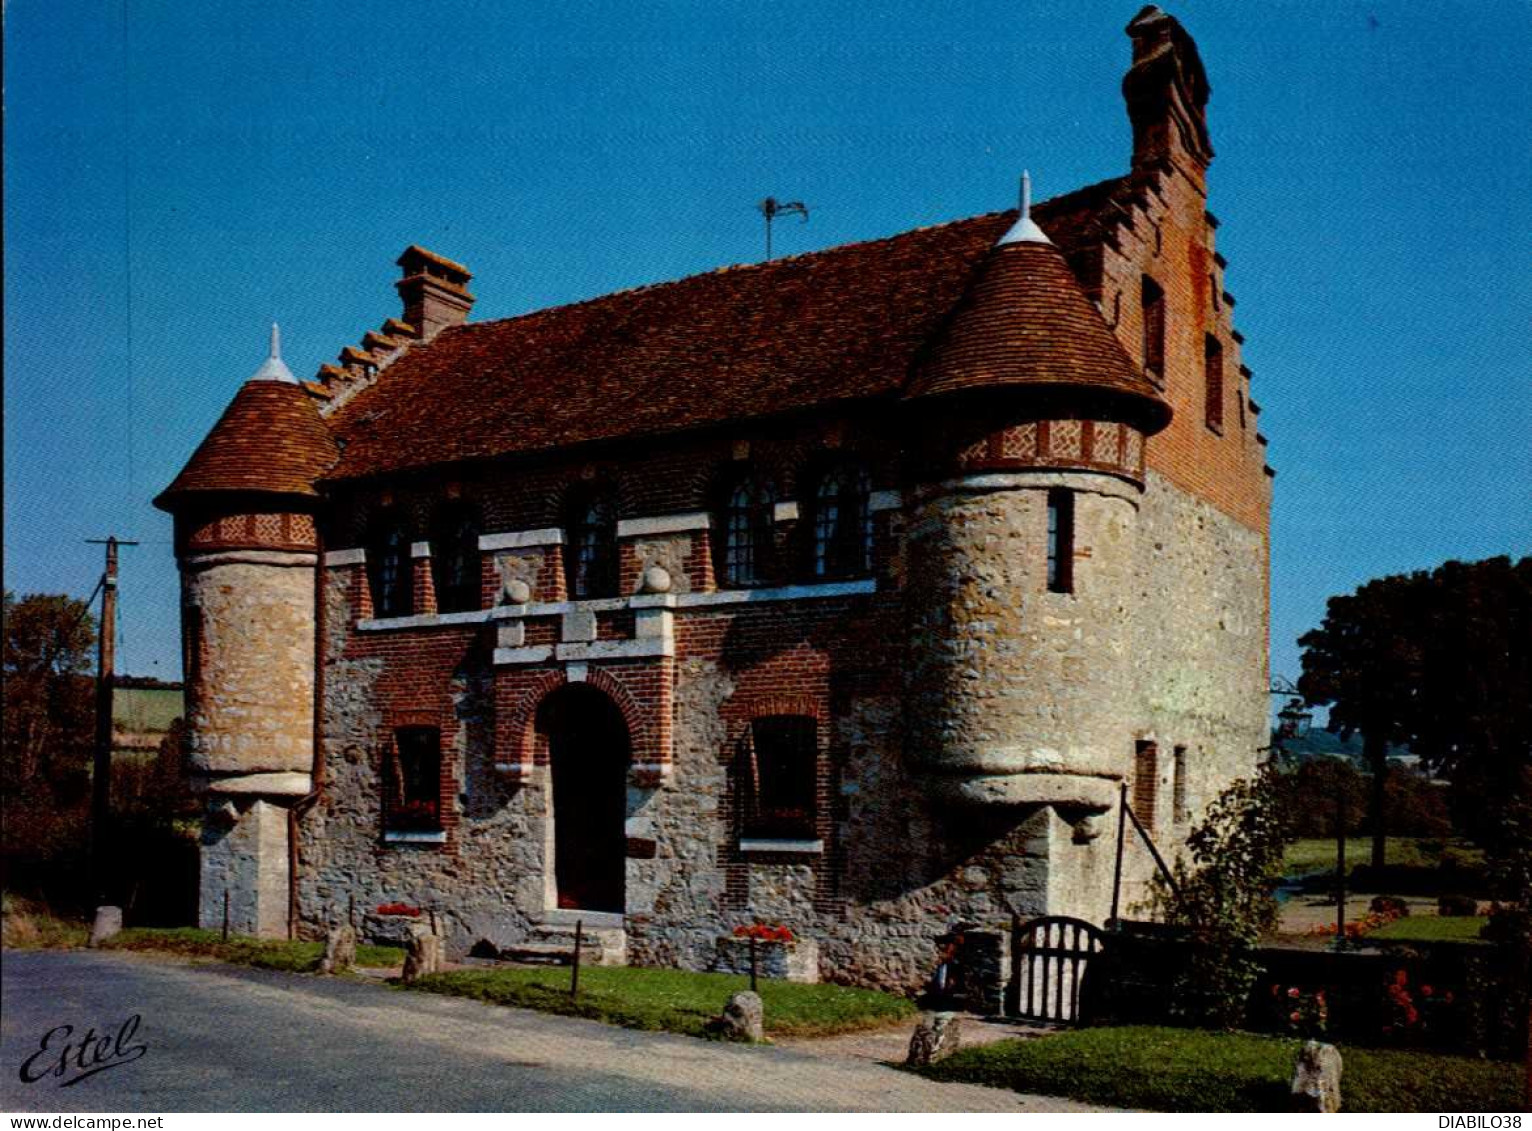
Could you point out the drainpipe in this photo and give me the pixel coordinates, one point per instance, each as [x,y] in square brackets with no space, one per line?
[308,801]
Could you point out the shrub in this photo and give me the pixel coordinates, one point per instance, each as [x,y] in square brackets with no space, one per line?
[1225,899]
[1457,905]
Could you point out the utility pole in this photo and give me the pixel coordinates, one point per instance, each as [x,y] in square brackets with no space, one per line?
[106,662]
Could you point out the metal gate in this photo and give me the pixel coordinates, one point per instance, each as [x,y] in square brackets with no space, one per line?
[1049,957]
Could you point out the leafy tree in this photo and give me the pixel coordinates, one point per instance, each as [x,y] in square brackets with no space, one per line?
[1441,662]
[48,706]
[1365,662]
[1225,898]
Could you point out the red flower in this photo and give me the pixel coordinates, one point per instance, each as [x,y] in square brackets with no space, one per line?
[1426,990]
[1293,992]
[1293,1016]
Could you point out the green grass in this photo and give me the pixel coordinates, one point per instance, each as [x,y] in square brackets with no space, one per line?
[1192,1070]
[1317,854]
[268,954]
[1431,928]
[675,1000]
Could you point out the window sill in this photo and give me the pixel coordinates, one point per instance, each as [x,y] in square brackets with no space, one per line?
[400,836]
[796,847]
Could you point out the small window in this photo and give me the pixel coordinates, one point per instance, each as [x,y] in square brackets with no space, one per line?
[746,541]
[590,566]
[1146,768]
[455,559]
[413,791]
[1154,330]
[781,778]
[1061,541]
[842,524]
[1179,792]
[1212,373]
[388,568]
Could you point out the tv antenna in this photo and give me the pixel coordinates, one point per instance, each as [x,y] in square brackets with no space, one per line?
[771,208]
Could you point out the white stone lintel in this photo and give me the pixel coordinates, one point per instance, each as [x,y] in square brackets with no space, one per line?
[637,649]
[664,524]
[400,836]
[652,601]
[532,654]
[355,556]
[662,769]
[785,511]
[275,783]
[438,620]
[884,501]
[420,549]
[783,593]
[521,539]
[253,556]
[801,847]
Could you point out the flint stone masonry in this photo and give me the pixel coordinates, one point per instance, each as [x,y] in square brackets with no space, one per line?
[252,680]
[796,961]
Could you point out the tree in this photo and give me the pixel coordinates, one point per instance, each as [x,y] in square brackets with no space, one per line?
[48,705]
[1364,661]
[1441,662]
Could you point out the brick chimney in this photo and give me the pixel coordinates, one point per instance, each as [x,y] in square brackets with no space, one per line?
[434,290]
[1167,94]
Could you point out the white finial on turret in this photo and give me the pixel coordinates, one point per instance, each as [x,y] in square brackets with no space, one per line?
[1024,230]
[275,369]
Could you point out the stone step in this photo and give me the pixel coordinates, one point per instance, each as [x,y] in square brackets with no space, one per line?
[601,947]
[551,953]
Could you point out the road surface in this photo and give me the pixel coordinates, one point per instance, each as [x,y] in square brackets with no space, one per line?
[225,1038]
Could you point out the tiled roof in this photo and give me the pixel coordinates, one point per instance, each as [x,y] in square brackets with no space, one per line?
[1025,322]
[842,324]
[270,439]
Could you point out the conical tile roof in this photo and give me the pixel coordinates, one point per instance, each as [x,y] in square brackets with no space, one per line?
[270,439]
[1025,323]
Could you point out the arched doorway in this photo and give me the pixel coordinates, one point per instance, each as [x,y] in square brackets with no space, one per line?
[589,751]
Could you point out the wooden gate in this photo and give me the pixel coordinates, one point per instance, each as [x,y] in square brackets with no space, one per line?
[1049,957]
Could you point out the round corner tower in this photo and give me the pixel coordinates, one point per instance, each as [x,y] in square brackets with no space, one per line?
[1028,424]
[246,539]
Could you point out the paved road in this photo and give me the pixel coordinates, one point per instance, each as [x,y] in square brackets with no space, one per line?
[223,1038]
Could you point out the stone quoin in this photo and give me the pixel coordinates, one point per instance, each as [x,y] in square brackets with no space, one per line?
[838,593]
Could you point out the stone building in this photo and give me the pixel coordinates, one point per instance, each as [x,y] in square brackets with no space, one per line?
[841,591]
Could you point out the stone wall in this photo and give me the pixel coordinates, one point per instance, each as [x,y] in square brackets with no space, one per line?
[251,685]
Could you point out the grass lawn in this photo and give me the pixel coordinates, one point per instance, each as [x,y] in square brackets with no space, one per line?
[1193,1070]
[675,1000]
[1317,854]
[1431,928]
[269,954]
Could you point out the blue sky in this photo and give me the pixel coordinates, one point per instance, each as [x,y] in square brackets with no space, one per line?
[179,174]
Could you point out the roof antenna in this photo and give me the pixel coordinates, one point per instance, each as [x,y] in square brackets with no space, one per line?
[1024,230]
[771,208]
[274,368]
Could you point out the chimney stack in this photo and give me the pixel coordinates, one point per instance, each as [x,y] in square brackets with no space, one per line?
[1167,95]
[434,290]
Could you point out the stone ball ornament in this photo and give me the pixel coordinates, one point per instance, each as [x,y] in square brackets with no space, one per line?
[656,579]
[517,591]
